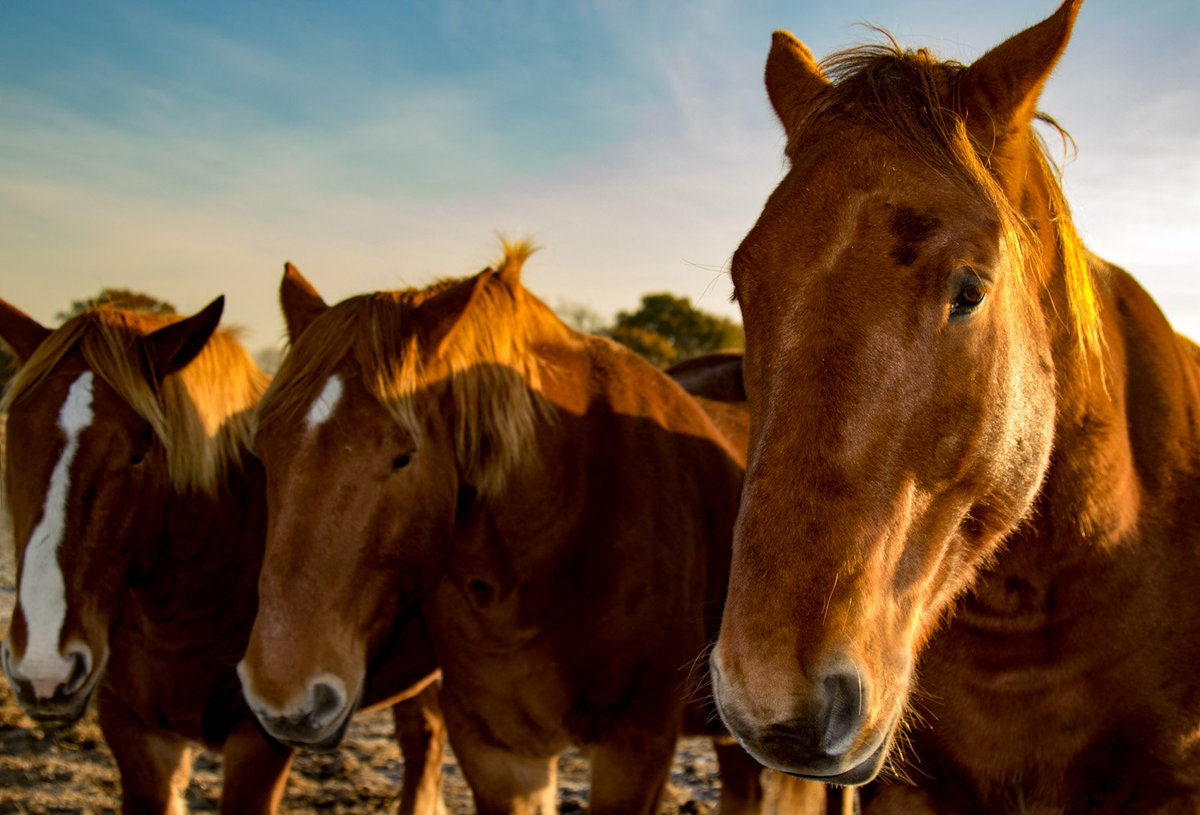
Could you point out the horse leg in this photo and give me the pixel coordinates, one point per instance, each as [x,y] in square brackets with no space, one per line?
[154,765]
[421,732]
[843,801]
[629,775]
[505,783]
[255,773]
[748,788]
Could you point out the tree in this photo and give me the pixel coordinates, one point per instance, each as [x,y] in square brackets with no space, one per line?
[580,317]
[122,298]
[654,347]
[667,329]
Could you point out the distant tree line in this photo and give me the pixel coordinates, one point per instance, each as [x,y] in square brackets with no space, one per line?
[119,298]
[665,329]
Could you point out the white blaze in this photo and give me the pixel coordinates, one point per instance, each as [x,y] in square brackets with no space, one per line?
[42,594]
[326,403]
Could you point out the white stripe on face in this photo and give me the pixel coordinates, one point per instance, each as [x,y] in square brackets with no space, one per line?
[42,594]
[326,403]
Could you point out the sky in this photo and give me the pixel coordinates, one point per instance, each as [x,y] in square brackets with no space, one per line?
[188,149]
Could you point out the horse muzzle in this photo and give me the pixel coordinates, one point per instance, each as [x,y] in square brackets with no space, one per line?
[54,695]
[318,720]
[827,735]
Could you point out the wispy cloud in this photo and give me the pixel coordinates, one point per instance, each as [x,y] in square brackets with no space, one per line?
[380,149]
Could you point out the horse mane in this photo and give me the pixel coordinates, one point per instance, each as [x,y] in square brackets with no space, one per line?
[202,414]
[914,96]
[487,360]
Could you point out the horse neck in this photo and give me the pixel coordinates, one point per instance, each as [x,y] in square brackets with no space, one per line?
[1097,483]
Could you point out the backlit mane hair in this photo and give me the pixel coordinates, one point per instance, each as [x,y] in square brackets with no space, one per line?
[487,359]
[913,96]
[202,414]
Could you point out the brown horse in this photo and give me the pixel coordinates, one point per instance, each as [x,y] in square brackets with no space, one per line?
[562,512]
[970,511]
[139,519]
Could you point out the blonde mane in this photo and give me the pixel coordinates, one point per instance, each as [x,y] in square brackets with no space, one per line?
[201,414]
[487,360]
[912,95]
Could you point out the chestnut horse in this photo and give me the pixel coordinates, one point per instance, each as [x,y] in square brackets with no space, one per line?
[561,511]
[139,519]
[970,524]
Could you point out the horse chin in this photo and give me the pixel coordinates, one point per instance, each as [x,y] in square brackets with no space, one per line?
[779,752]
[302,738]
[61,711]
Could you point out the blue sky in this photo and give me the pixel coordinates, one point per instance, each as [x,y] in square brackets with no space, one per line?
[188,149]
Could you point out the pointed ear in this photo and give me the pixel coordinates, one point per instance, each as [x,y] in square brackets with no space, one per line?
[22,333]
[999,92]
[300,301]
[515,255]
[793,79]
[171,347]
[442,312]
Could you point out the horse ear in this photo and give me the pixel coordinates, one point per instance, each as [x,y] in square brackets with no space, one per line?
[443,311]
[22,333]
[515,255]
[793,79]
[999,91]
[300,301]
[174,346]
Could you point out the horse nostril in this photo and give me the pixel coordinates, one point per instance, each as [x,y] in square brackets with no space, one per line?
[327,702]
[844,711]
[81,668]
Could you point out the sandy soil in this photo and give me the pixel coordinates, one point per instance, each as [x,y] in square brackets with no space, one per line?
[73,771]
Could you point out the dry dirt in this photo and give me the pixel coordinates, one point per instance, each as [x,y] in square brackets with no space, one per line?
[73,771]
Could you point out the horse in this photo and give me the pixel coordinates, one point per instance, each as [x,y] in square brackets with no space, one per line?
[139,518]
[967,546]
[560,511]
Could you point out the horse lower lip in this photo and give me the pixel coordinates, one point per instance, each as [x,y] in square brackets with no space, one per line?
[862,773]
[59,717]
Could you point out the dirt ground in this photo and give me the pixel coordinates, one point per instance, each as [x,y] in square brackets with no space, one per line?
[73,771]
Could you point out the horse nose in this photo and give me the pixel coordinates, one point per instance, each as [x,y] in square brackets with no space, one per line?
[50,679]
[311,720]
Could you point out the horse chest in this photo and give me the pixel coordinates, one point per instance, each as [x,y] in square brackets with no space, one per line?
[1053,677]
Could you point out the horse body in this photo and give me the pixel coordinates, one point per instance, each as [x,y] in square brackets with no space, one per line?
[1064,659]
[973,447]
[478,457]
[156,513]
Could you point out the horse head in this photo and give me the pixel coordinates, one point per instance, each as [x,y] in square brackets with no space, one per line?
[87,482]
[904,326]
[369,464]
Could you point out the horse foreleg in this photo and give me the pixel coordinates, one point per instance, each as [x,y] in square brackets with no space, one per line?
[748,789]
[421,732]
[256,771]
[505,783]
[155,765]
[843,801]
[629,775]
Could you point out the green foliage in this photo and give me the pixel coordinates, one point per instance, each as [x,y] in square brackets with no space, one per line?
[654,347]
[580,317]
[123,298]
[667,329]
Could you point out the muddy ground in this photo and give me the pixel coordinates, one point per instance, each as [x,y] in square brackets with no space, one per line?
[73,772]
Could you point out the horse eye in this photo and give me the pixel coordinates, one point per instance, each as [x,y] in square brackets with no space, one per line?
[137,459]
[400,462]
[969,297]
